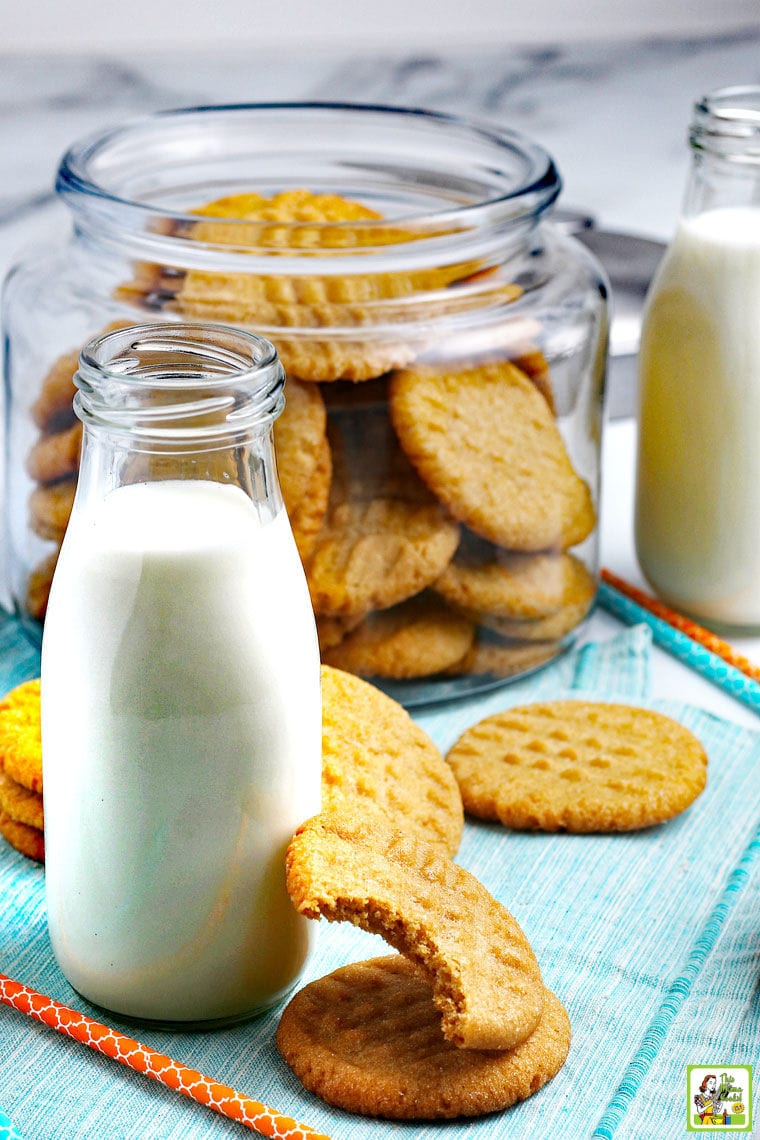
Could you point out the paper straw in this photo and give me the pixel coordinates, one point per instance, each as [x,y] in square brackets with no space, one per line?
[687,641]
[189,1082]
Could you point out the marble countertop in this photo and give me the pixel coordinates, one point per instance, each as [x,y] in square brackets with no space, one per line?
[613,115]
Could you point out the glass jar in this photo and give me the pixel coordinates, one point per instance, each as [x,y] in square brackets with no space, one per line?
[698,479]
[181,699]
[445,348]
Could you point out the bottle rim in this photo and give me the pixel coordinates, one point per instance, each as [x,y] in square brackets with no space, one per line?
[726,122]
[460,184]
[180,381]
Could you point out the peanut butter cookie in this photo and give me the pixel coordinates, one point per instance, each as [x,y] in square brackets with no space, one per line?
[50,509]
[367,1038]
[374,756]
[19,803]
[29,841]
[417,638]
[486,578]
[56,455]
[578,766]
[485,978]
[384,538]
[21,736]
[486,443]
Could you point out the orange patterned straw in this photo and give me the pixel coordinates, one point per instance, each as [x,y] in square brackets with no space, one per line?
[696,632]
[190,1083]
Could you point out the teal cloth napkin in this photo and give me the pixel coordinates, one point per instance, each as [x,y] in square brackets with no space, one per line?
[649,938]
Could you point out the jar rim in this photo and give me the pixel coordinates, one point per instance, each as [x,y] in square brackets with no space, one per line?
[485,177]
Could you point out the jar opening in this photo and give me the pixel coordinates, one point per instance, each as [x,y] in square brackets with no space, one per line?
[179,381]
[436,181]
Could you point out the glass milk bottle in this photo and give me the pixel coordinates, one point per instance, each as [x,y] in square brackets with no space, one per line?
[181,706]
[698,484]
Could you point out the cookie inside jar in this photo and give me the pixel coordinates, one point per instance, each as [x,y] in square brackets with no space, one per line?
[444,347]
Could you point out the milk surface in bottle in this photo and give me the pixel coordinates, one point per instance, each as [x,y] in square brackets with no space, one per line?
[180,689]
[698,477]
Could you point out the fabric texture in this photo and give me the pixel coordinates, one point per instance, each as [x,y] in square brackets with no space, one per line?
[649,938]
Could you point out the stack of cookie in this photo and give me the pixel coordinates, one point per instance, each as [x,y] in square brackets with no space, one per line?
[21,815]
[434,505]
[460,1022]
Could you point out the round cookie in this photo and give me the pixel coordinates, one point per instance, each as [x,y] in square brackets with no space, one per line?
[504,659]
[53,409]
[371,555]
[486,443]
[29,841]
[302,220]
[488,579]
[417,638]
[21,736]
[485,978]
[384,537]
[552,627]
[308,513]
[332,630]
[19,803]
[50,509]
[56,455]
[299,439]
[374,757]
[367,1039]
[38,585]
[578,766]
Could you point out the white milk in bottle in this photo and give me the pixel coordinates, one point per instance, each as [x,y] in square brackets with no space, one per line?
[698,479]
[180,692]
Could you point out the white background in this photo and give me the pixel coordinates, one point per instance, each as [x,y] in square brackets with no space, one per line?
[409,25]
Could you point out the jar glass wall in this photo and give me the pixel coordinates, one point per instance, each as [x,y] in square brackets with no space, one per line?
[444,347]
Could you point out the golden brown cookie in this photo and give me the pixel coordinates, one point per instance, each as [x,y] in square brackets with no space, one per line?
[332,630]
[367,1038]
[294,310]
[534,364]
[302,220]
[578,766]
[485,978]
[20,735]
[552,627]
[491,580]
[504,659]
[38,585]
[299,439]
[417,638]
[374,757]
[384,537]
[52,410]
[29,841]
[308,513]
[56,455]
[486,443]
[20,804]
[50,509]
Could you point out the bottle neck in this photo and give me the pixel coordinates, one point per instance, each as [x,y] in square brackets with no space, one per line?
[179,402]
[725,141]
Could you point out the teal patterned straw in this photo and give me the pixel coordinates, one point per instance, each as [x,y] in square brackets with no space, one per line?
[696,656]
